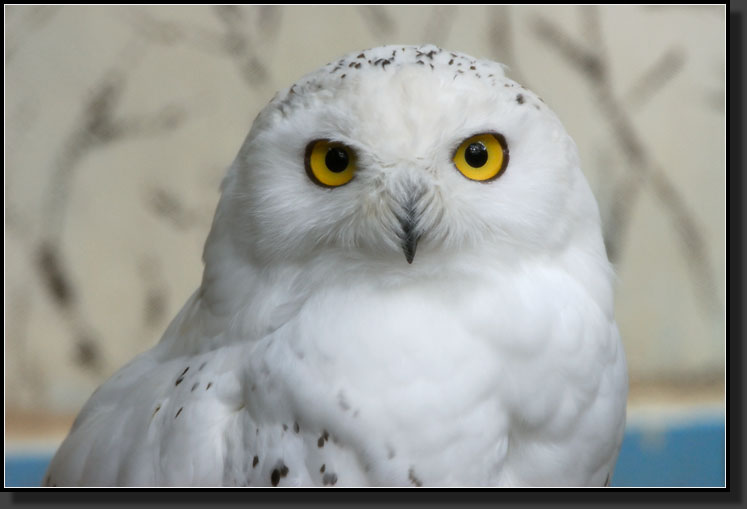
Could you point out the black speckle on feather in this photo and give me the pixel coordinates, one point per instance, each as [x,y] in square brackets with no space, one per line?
[180,411]
[329,479]
[324,466]
[296,427]
[181,377]
[255,461]
[209,385]
[413,478]
[520,99]
[275,477]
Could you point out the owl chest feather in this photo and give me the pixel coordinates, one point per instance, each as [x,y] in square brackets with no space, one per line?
[454,381]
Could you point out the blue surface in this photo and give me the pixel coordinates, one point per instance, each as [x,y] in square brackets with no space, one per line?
[689,454]
[25,470]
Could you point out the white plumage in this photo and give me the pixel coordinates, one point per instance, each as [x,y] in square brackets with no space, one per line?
[424,322]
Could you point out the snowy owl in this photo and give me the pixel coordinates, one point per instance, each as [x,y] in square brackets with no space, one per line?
[405,284]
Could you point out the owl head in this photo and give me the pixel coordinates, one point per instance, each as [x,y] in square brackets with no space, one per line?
[403,156]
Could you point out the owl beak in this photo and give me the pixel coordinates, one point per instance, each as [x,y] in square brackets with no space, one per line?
[408,221]
[409,238]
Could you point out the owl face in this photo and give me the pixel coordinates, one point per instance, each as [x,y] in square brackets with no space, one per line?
[406,155]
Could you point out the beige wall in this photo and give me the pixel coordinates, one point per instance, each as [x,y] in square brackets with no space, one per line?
[120,122]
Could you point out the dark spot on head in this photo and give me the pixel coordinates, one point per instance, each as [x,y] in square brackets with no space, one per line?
[320,442]
[361,56]
[255,461]
[451,61]
[283,470]
[520,99]
[275,477]
[209,385]
[324,465]
[296,427]
[343,76]
[471,67]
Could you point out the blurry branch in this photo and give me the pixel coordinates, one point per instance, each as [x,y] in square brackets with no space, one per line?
[166,205]
[156,291]
[501,39]
[378,20]
[98,125]
[655,78]
[21,23]
[591,63]
[439,24]
[243,35]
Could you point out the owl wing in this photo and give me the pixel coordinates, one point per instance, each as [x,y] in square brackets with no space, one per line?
[159,419]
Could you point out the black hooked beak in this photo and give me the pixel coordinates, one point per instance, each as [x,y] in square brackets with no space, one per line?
[408,220]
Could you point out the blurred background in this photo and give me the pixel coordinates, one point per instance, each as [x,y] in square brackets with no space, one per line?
[121,121]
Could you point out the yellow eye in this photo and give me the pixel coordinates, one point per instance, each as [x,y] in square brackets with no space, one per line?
[329,164]
[482,157]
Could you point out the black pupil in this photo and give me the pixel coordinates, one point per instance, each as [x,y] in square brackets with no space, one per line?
[336,160]
[476,155]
